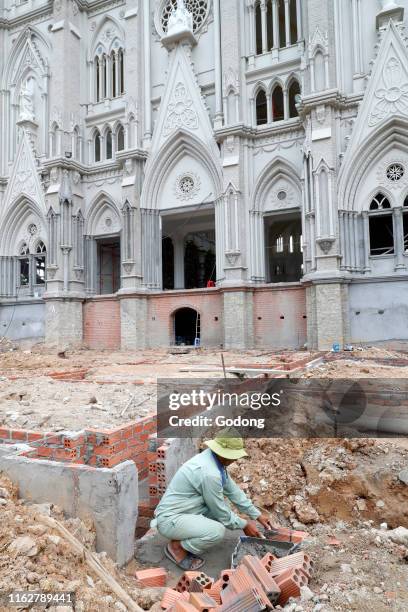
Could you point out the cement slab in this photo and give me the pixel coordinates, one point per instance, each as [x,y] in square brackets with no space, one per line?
[150,550]
[109,497]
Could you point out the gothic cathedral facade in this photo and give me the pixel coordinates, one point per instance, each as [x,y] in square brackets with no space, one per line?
[224,173]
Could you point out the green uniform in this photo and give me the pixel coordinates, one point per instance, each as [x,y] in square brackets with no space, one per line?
[194,510]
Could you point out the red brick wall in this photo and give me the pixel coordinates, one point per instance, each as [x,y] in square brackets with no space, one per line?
[209,303]
[272,331]
[102,323]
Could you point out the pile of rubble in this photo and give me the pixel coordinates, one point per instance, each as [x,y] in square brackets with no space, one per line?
[255,584]
[35,557]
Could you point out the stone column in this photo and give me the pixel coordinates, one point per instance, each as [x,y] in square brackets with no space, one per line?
[398,237]
[285,103]
[326,303]
[366,231]
[238,319]
[218,121]
[257,245]
[151,249]
[220,238]
[299,20]
[275,16]
[147,73]
[287,22]
[133,321]
[178,245]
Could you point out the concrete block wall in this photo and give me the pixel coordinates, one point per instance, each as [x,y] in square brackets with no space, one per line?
[93,447]
[270,329]
[102,325]
[23,321]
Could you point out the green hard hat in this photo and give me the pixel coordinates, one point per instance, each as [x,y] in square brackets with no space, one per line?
[228,444]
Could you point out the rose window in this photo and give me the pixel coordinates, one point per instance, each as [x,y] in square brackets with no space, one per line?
[186,185]
[395,172]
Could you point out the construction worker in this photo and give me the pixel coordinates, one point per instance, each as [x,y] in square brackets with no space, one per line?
[193,513]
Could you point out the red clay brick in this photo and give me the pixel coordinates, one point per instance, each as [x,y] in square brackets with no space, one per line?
[152,577]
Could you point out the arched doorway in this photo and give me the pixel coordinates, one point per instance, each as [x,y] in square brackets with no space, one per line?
[187,330]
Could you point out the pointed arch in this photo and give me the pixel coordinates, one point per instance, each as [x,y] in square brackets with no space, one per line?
[386,138]
[278,105]
[15,225]
[102,206]
[261,107]
[182,144]
[39,51]
[278,171]
[118,35]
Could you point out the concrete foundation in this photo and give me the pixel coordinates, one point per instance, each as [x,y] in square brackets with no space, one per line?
[238,320]
[133,319]
[64,321]
[326,309]
[109,497]
[23,320]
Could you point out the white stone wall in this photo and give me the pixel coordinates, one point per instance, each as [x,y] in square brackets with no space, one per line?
[188,107]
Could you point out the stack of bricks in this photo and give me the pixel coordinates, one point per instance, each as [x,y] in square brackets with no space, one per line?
[93,447]
[157,469]
[255,585]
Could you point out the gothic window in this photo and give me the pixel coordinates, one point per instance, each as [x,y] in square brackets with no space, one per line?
[121,72]
[109,148]
[198,8]
[278,110]
[109,73]
[120,138]
[293,22]
[282,23]
[258,27]
[24,265]
[279,244]
[104,77]
[381,226]
[380,202]
[76,145]
[114,74]
[294,91]
[98,79]
[269,24]
[39,264]
[261,108]
[405,224]
[97,147]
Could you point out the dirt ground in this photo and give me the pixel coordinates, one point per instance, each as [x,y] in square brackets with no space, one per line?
[35,557]
[116,387]
[347,494]
[119,386]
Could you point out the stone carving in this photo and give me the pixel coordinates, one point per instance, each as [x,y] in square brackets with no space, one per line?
[180,19]
[27,101]
[232,257]
[391,173]
[393,95]
[192,13]
[128,267]
[325,244]
[231,81]
[24,181]
[181,112]
[187,186]
[283,196]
